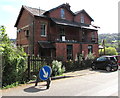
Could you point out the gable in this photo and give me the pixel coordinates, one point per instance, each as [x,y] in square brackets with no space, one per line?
[87,18]
[56,12]
[31,11]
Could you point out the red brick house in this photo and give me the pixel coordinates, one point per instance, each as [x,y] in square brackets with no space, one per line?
[57,32]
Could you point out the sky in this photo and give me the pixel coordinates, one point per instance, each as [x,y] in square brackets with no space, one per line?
[104,12]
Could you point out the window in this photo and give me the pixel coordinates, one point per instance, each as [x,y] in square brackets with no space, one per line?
[62,34]
[93,39]
[83,35]
[27,33]
[69,52]
[90,49]
[43,29]
[82,18]
[62,13]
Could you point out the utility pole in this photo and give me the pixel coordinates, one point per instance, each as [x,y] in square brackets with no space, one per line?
[103,44]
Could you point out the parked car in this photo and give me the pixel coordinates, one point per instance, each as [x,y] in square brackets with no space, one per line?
[109,63]
[118,60]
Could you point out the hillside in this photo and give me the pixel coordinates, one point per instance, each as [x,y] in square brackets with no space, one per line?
[111,40]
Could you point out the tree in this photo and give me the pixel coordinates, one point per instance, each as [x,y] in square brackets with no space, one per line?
[14,59]
[108,51]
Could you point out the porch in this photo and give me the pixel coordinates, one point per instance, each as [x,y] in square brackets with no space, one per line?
[71,38]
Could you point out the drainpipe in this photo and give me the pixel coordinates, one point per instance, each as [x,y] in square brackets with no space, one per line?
[33,38]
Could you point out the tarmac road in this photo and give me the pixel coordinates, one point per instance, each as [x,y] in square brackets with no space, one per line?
[79,83]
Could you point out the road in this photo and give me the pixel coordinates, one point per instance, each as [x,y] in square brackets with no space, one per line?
[99,83]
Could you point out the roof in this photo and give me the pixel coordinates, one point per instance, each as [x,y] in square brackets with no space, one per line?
[32,11]
[42,13]
[46,45]
[67,6]
[67,23]
[83,11]
[90,27]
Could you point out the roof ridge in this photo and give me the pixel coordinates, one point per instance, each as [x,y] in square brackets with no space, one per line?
[79,11]
[32,7]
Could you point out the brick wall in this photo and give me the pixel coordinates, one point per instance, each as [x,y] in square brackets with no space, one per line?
[95,49]
[86,18]
[76,50]
[61,50]
[56,14]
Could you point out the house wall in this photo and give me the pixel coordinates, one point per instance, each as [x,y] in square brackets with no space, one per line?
[37,33]
[75,33]
[85,49]
[76,50]
[86,18]
[25,23]
[61,50]
[57,14]
[96,50]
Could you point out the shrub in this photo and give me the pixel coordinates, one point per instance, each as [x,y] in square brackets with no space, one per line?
[57,68]
[14,61]
[88,60]
[90,56]
[70,65]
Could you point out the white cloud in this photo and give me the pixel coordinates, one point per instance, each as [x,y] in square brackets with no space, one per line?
[8,8]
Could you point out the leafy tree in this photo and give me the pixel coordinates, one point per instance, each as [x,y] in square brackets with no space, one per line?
[108,51]
[14,60]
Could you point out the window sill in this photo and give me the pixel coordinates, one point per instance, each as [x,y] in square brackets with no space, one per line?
[43,36]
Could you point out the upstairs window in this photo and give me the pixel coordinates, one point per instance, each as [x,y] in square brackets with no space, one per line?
[27,33]
[62,13]
[82,18]
[93,34]
[43,29]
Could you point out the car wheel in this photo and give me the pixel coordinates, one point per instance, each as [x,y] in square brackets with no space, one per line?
[108,68]
[115,69]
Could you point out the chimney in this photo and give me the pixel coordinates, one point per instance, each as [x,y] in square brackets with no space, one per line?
[68,6]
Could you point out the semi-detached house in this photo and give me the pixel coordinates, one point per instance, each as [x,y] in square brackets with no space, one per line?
[58,32]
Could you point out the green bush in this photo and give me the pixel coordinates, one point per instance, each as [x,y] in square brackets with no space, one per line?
[88,60]
[57,68]
[14,61]
[108,51]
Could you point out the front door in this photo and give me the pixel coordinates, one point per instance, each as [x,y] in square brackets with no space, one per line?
[69,52]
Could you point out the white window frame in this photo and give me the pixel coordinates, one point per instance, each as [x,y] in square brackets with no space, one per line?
[82,20]
[62,13]
[45,31]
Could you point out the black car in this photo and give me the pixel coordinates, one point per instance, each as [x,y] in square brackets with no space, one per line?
[109,63]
